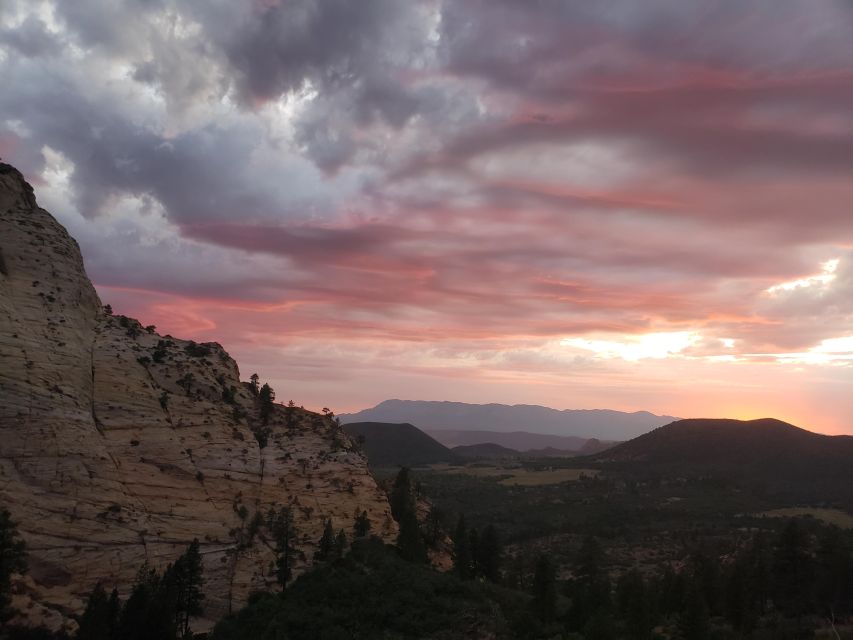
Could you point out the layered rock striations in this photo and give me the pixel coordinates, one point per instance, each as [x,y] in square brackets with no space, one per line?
[119,446]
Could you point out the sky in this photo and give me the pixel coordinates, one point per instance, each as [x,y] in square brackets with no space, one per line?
[625,205]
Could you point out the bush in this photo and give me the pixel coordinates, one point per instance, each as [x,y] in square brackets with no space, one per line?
[196,350]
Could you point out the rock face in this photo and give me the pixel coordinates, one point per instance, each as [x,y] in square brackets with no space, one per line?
[119,446]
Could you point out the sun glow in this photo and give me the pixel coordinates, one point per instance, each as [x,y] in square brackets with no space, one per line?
[641,347]
[826,276]
[829,351]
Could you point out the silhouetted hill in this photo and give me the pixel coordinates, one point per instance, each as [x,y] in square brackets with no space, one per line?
[776,454]
[485,451]
[733,442]
[431,416]
[389,445]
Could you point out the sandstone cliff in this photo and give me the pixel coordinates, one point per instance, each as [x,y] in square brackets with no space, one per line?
[119,446]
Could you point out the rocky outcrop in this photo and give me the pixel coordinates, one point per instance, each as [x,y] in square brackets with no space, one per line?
[119,446]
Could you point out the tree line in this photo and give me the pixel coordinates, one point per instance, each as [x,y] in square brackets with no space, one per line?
[773,586]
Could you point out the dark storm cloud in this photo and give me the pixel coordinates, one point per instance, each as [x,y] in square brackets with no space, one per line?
[546,48]
[31,39]
[346,52]
[335,44]
[194,175]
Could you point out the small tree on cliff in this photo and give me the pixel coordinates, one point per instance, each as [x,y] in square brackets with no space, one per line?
[186,382]
[290,415]
[266,396]
[283,531]
[254,381]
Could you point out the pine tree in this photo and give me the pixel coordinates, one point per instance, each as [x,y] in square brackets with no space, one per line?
[591,587]
[362,525]
[694,623]
[461,550]
[793,571]
[474,546]
[114,613]
[590,561]
[409,541]
[340,548]
[326,544]
[670,590]
[187,382]
[149,612]
[633,601]
[254,381]
[834,574]
[403,509]
[267,397]
[183,580]
[290,415]
[433,525]
[747,585]
[545,590]
[601,626]
[706,573]
[98,621]
[283,531]
[489,555]
[12,558]
[401,495]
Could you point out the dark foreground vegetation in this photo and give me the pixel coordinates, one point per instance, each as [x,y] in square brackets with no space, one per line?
[374,593]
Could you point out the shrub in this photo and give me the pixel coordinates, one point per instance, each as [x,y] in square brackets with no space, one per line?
[196,350]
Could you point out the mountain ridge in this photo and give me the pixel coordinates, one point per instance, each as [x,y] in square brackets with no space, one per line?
[435,415]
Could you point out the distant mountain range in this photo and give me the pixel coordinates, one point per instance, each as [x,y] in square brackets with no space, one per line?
[432,416]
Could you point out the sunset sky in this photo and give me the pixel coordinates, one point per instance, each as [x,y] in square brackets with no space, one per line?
[625,205]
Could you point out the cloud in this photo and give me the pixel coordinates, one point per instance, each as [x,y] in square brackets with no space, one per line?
[31,38]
